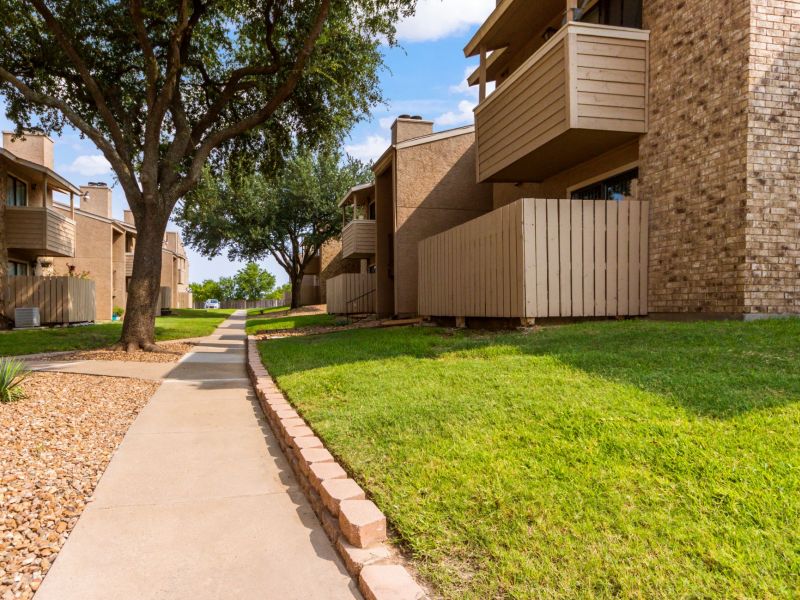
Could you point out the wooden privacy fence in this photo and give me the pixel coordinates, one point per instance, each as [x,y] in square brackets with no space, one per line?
[351,293]
[540,258]
[242,304]
[60,300]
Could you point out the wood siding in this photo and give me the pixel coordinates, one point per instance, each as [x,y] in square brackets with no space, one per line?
[128,264]
[586,77]
[60,300]
[525,112]
[540,258]
[351,293]
[358,239]
[41,230]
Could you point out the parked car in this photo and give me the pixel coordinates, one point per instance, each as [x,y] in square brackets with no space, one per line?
[211,304]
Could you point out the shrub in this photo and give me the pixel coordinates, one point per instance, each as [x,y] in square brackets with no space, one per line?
[12,372]
[118,311]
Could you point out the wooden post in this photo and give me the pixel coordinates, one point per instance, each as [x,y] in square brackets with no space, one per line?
[482,76]
[572,6]
[44,191]
[72,206]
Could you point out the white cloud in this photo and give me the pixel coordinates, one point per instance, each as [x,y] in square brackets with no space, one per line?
[463,86]
[369,149]
[386,122]
[463,116]
[437,19]
[90,165]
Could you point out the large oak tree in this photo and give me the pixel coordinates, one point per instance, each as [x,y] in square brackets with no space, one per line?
[288,214]
[162,87]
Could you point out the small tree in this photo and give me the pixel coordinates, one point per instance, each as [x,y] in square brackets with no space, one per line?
[161,88]
[289,216]
[253,282]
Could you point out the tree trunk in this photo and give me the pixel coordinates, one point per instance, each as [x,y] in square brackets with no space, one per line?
[297,283]
[5,321]
[138,327]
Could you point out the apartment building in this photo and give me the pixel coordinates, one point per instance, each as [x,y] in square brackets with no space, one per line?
[104,253]
[424,184]
[35,228]
[643,154]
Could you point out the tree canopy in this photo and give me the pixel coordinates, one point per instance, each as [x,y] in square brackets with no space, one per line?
[162,88]
[288,215]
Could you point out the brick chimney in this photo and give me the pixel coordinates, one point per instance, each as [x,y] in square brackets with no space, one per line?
[407,127]
[96,199]
[33,146]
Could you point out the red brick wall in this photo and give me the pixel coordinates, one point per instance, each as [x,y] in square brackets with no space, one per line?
[772,276]
[693,159]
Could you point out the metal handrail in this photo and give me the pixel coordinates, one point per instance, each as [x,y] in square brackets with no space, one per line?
[356,299]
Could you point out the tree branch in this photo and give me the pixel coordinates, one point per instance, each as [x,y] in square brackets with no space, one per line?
[94,89]
[257,118]
[122,168]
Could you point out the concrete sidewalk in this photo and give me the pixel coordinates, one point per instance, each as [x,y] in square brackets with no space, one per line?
[198,501]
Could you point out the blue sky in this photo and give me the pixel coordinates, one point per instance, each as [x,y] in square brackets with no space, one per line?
[425,76]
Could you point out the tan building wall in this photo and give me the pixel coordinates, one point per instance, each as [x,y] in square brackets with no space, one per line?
[36,148]
[772,221]
[435,190]
[93,254]
[332,264]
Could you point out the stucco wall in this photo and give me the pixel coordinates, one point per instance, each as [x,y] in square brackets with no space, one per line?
[332,264]
[772,274]
[693,158]
[435,190]
[93,248]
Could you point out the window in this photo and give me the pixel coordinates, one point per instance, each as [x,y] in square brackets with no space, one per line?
[617,187]
[372,214]
[618,13]
[16,192]
[17,268]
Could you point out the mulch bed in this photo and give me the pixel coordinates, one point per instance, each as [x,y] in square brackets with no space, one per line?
[55,444]
[174,352]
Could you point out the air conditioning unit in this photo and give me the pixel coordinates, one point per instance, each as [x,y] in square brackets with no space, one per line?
[26,317]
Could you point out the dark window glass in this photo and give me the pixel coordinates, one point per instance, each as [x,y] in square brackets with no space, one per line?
[17,268]
[16,192]
[617,187]
[617,13]
[372,211]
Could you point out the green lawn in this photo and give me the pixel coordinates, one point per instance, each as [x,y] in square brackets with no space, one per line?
[632,459]
[255,312]
[256,325]
[184,323]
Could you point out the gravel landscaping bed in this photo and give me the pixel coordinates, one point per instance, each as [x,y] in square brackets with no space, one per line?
[54,445]
[313,330]
[174,351]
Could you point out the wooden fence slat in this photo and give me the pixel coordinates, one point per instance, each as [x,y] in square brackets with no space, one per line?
[564,256]
[553,261]
[600,259]
[612,246]
[644,258]
[623,258]
[542,260]
[588,258]
[635,217]
[576,262]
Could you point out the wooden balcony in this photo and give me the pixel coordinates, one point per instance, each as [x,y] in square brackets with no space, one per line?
[40,231]
[582,93]
[539,258]
[128,264]
[358,239]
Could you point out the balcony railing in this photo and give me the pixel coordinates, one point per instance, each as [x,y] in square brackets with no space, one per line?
[358,239]
[40,231]
[582,93]
[128,264]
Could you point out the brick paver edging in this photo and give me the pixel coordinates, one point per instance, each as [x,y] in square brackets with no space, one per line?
[355,526]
